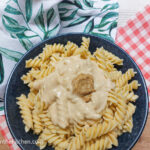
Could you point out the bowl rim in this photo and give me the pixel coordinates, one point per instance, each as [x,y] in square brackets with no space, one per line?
[82,34]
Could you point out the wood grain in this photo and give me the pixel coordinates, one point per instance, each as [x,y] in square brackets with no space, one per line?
[3,146]
[142,144]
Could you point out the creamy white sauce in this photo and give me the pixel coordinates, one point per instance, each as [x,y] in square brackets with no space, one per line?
[65,107]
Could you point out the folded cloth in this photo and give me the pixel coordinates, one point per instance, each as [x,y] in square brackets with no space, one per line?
[24,23]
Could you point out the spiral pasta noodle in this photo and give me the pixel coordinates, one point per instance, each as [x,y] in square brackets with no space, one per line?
[132,97]
[121,107]
[101,63]
[25,112]
[30,99]
[54,139]
[130,111]
[77,142]
[106,141]
[125,78]
[129,96]
[45,119]
[99,54]
[42,142]
[110,67]
[102,143]
[114,75]
[128,125]
[82,134]
[111,57]
[34,63]
[108,115]
[40,105]
[78,128]
[40,74]
[47,123]
[70,49]
[50,49]
[131,86]
[85,43]
[37,124]
[100,129]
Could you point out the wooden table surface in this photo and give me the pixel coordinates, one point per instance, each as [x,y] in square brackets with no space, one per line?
[142,144]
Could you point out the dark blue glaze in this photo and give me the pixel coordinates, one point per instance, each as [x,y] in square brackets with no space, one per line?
[15,87]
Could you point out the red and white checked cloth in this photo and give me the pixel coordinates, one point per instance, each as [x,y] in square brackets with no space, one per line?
[134,38]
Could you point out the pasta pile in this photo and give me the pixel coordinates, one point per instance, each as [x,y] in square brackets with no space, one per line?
[87,134]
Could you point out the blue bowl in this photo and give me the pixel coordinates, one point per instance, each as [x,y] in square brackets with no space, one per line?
[15,87]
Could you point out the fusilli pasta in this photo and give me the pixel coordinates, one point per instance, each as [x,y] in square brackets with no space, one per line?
[98,130]
[111,57]
[37,124]
[125,78]
[25,112]
[82,134]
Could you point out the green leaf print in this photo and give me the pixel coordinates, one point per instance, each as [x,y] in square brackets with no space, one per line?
[70,17]
[1,108]
[102,30]
[12,28]
[26,43]
[23,36]
[63,10]
[78,21]
[13,36]
[52,32]
[1,70]
[102,24]
[28,7]
[78,4]
[11,21]
[110,6]
[50,16]
[112,26]
[10,54]
[88,3]
[16,1]
[39,19]
[67,4]
[12,10]
[89,27]
[108,16]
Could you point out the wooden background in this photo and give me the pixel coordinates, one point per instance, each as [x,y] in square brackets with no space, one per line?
[127,9]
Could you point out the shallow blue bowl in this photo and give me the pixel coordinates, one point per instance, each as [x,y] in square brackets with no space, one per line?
[15,87]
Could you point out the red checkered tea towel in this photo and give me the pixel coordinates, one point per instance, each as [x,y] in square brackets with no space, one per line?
[6,134]
[134,38]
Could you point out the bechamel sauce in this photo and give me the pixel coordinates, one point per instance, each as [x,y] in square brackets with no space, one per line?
[56,89]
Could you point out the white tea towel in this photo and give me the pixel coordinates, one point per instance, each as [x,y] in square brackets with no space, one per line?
[24,23]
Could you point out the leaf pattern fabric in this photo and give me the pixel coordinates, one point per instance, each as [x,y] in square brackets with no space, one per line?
[95,17]
[23,23]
